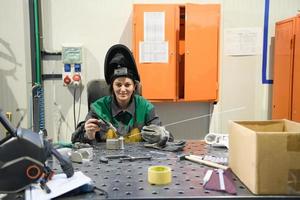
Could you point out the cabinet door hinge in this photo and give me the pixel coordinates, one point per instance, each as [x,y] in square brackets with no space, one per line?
[292,42]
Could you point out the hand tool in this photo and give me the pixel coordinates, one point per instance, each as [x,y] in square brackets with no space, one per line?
[122,157]
[197,159]
[132,158]
[105,159]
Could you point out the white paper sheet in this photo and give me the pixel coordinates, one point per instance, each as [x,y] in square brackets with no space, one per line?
[243,41]
[154,52]
[58,185]
[154,26]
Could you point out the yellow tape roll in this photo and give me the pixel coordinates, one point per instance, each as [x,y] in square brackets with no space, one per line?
[159,175]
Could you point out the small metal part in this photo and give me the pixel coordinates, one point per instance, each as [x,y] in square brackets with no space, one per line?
[76,157]
[81,155]
[45,187]
[112,144]
[115,144]
[121,140]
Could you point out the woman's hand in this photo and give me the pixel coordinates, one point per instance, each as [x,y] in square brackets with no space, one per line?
[91,127]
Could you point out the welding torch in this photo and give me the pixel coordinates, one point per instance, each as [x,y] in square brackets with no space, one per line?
[107,124]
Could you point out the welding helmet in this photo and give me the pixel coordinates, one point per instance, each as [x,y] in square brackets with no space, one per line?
[119,62]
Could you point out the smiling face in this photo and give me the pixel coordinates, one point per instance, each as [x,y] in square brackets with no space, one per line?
[123,88]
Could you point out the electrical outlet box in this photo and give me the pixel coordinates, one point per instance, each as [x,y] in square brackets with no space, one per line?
[72,59]
[72,53]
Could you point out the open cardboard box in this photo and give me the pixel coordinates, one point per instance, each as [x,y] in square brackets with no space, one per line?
[265,155]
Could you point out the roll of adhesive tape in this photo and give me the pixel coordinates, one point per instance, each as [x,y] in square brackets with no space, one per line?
[159,175]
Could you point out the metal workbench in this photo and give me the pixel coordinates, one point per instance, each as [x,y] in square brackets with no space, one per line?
[128,180]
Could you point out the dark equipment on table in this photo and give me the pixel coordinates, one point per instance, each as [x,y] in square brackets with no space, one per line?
[122,157]
[133,158]
[104,159]
[23,154]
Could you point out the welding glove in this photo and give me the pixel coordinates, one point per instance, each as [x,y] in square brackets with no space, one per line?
[159,138]
[78,135]
[169,146]
[155,134]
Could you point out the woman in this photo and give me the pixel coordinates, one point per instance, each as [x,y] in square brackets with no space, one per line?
[123,113]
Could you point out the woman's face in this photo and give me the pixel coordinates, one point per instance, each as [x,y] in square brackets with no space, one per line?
[123,88]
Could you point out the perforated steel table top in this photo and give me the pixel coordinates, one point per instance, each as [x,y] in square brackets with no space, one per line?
[128,180]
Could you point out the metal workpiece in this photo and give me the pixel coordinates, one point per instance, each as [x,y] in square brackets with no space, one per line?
[115,144]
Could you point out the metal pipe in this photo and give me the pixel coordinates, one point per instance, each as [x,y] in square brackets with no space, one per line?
[37,91]
[37,42]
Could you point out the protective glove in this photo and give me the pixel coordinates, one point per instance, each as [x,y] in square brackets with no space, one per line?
[159,138]
[169,146]
[78,135]
[155,134]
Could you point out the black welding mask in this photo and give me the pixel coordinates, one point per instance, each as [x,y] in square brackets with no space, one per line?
[119,62]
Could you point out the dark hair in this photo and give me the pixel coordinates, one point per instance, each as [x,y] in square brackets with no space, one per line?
[111,90]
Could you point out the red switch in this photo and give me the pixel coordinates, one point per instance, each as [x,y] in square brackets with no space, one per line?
[76,77]
[67,80]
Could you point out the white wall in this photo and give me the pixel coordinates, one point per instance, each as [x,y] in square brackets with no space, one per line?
[241,76]
[98,24]
[15,74]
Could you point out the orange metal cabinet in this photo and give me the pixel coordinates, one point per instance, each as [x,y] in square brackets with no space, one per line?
[283,53]
[158,79]
[192,33]
[296,74]
[201,48]
[286,87]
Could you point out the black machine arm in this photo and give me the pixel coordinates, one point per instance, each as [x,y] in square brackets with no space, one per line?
[65,163]
[23,154]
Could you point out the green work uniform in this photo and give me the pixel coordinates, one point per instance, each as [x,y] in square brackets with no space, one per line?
[128,122]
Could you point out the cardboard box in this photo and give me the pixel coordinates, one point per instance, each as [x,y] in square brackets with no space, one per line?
[265,155]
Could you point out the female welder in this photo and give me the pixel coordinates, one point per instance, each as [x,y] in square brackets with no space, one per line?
[123,113]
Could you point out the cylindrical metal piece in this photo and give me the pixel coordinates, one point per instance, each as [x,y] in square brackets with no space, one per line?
[121,140]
